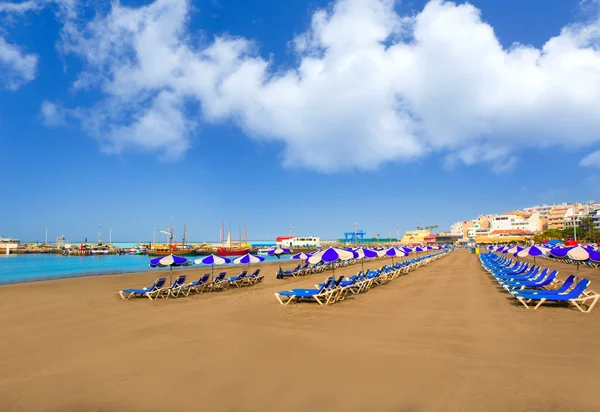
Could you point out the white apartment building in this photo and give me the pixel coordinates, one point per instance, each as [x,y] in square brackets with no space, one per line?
[456,229]
[300,242]
[530,223]
[543,210]
[475,232]
[596,219]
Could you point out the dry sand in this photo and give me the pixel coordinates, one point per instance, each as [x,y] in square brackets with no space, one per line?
[442,338]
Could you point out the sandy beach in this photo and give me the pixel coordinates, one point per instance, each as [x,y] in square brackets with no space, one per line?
[442,338]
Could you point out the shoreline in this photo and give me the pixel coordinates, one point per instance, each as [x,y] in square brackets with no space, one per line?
[130,272]
[193,269]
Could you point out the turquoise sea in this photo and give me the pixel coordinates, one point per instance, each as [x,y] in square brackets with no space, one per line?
[23,268]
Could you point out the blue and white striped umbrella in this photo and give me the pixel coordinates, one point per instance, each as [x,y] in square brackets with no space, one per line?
[533,251]
[247,259]
[278,252]
[393,252]
[170,261]
[212,260]
[514,250]
[331,255]
[301,256]
[365,253]
[576,253]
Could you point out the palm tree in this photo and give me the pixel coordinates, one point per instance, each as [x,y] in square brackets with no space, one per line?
[419,228]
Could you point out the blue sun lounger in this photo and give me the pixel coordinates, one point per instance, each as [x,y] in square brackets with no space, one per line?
[322,295]
[253,278]
[577,297]
[538,282]
[219,283]
[149,292]
[197,286]
[567,284]
[176,288]
[238,280]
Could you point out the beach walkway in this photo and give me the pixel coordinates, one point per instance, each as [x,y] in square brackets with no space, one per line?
[442,338]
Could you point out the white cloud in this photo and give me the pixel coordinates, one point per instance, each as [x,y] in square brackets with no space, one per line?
[20,7]
[16,67]
[52,114]
[591,160]
[370,86]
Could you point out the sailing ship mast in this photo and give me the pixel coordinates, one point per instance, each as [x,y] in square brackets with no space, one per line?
[222,231]
[183,238]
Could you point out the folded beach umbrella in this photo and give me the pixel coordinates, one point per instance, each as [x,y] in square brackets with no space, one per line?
[212,260]
[170,261]
[247,259]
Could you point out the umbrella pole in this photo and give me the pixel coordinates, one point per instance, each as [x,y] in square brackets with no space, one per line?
[212,272]
[171,274]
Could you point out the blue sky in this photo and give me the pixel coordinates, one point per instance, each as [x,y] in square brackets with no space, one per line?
[312,124]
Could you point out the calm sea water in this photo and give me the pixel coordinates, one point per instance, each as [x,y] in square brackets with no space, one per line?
[22,268]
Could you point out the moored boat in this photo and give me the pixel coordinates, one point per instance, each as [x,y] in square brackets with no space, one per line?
[100,249]
[233,251]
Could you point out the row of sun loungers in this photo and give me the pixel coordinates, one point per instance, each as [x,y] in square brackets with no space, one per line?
[588,263]
[533,286]
[307,268]
[181,288]
[333,290]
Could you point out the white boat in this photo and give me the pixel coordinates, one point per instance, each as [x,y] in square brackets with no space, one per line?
[100,249]
[6,244]
[263,251]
